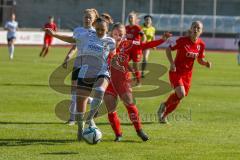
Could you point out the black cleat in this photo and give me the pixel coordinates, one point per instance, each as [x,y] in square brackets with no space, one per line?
[142,135]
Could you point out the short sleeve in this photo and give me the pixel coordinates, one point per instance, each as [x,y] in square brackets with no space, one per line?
[112,45]
[78,33]
[174,44]
[75,33]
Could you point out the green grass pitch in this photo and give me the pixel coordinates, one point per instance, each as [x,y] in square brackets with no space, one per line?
[205,125]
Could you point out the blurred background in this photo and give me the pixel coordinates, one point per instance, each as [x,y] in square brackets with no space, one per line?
[221,18]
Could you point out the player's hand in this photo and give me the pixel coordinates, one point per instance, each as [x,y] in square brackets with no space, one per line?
[208,64]
[166,35]
[50,31]
[173,68]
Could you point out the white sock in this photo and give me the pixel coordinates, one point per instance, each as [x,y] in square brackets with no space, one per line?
[11,51]
[80,120]
[73,107]
[90,99]
[238,58]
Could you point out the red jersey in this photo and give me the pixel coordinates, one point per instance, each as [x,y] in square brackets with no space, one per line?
[134,32]
[53,26]
[123,53]
[187,52]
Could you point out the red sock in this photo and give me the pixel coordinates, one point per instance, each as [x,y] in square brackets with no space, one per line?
[171,103]
[138,76]
[115,123]
[134,116]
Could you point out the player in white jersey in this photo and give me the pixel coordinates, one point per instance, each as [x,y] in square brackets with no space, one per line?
[11,27]
[93,74]
[90,15]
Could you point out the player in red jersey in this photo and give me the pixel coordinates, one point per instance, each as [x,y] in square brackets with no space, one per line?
[47,38]
[120,83]
[134,32]
[188,48]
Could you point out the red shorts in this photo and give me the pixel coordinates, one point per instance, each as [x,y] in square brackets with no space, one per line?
[118,89]
[181,79]
[48,41]
[136,55]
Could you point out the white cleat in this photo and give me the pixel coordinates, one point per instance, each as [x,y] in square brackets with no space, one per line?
[70,123]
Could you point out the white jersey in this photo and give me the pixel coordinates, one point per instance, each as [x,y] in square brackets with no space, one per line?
[11,26]
[94,54]
[76,33]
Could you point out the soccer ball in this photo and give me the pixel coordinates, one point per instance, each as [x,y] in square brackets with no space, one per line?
[92,135]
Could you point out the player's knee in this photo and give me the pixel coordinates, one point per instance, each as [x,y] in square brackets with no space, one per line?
[181,95]
[99,92]
[98,97]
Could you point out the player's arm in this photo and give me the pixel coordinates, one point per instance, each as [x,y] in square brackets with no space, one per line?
[204,62]
[114,63]
[143,36]
[170,59]
[69,55]
[155,43]
[6,27]
[201,57]
[64,38]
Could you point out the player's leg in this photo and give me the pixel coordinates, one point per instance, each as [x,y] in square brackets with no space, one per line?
[48,44]
[171,104]
[137,72]
[73,106]
[82,98]
[99,89]
[46,51]
[43,50]
[133,113]
[144,61]
[83,92]
[111,104]
[11,47]
[136,57]
[173,100]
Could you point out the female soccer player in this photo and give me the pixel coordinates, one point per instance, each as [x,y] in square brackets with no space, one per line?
[120,84]
[134,32]
[93,74]
[90,15]
[11,27]
[47,38]
[188,48]
[149,32]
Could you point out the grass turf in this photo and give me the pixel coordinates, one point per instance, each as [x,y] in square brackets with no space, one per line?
[205,126]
